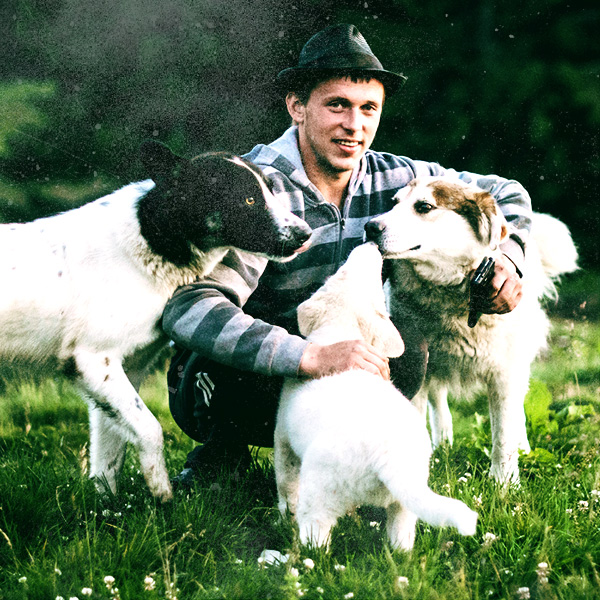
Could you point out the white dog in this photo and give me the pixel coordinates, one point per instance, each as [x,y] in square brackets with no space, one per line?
[84,290]
[436,235]
[352,438]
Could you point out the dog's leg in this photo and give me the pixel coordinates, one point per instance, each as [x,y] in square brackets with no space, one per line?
[401,524]
[321,497]
[107,449]
[105,383]
[287,474]
[507,420]
[440,417]
[420,403]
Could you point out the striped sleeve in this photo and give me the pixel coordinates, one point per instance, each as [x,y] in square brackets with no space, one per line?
[207,317]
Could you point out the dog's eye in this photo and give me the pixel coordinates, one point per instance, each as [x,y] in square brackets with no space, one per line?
[422,207]
[250,201]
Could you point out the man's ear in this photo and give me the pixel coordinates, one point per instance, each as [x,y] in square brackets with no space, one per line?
[295,107]
[158,160]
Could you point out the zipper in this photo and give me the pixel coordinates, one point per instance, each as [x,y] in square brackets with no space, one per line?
[341,221]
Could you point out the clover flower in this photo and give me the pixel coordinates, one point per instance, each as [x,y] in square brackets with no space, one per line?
[523,593]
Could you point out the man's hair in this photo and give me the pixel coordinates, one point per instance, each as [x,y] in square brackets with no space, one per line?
[303,86]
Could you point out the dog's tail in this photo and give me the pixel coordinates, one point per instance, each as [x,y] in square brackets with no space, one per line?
[436,510]
[555,245]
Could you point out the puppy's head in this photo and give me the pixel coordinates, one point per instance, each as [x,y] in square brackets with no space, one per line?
[446,222]
[352,300]
[220,200]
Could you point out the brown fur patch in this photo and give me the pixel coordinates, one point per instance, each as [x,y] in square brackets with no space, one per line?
[470,204]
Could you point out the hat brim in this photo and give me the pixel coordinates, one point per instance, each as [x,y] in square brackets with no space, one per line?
[289,78]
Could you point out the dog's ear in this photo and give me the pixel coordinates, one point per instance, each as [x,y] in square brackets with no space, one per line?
[381,333]
[498,227]
[158,160]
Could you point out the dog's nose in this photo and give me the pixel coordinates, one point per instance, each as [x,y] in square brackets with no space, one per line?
[373,230]
[298,235]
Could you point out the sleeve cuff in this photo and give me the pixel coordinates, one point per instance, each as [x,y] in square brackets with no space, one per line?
[513,251]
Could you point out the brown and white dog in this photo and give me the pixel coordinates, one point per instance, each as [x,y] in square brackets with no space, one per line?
[84,291]
[438,232]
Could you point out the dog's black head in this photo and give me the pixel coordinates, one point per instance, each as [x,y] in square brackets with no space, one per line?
[214,200]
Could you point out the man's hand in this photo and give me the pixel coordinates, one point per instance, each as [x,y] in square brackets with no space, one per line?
[318,361]
[505,288]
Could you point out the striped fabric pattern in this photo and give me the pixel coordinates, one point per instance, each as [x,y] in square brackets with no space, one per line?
[243,314]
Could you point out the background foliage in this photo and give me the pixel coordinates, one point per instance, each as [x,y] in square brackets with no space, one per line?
[510,87]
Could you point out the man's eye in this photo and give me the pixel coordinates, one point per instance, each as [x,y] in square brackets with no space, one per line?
[422,208]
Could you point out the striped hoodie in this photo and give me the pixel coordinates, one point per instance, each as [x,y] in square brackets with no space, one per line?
[244,314]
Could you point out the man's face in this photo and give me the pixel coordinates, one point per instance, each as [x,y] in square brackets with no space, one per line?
[338,123]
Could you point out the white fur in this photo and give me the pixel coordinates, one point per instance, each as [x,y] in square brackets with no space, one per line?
[84,286]
[352,438]
[434,255]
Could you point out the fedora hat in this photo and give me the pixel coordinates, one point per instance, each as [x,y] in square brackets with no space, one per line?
[338,49]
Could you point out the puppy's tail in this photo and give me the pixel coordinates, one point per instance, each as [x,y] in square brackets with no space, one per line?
[439,511]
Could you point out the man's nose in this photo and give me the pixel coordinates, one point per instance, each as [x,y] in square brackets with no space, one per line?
[352,120]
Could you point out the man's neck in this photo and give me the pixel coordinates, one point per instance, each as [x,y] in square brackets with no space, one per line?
[332,186]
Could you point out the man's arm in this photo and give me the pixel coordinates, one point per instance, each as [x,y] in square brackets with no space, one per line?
[207,317]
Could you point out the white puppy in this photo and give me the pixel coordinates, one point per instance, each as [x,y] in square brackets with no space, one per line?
[352,438]
[83,292]
[439,231]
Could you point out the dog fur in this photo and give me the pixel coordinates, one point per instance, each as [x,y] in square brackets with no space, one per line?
[352,438]
[84,291]
[435,236]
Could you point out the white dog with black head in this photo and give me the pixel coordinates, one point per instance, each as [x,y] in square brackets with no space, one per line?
[83,292]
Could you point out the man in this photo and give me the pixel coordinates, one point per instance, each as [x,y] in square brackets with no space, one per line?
[322,169]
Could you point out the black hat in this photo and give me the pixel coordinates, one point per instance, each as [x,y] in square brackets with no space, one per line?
[338,48]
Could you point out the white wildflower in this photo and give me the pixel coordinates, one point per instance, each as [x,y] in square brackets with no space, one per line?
[462,480]
[583,505]
[86,591]
[542,572]
[402,582]
[59,598]
[478,500]
[349,595]
[320,590]
[523,593]
[309,563]
[488,539]
[22,579]
[569,511]
[339,567]
[109,581]
[149,583]
[595,493]
[294,573]
[271,557]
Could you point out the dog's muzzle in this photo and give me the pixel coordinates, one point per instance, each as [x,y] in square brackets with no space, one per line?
[374,231]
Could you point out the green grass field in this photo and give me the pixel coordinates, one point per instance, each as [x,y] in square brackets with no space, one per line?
[59,539]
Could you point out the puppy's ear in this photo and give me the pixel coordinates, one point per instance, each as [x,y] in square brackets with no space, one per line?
[158,160]
[381,333]
[310,315]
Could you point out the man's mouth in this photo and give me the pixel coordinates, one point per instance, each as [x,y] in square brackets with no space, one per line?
[347,144]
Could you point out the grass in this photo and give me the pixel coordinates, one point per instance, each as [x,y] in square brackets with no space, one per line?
[58,538]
